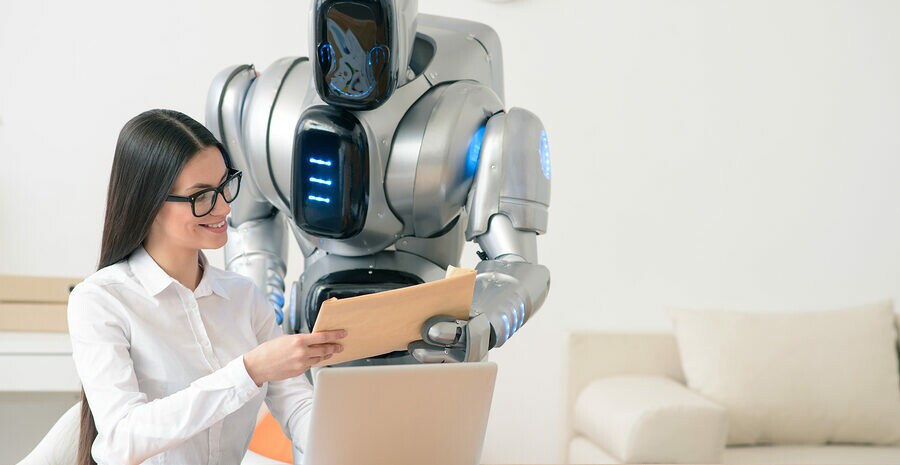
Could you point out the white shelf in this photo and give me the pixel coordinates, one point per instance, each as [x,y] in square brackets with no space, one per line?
[37,362]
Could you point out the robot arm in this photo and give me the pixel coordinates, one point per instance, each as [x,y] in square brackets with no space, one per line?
[507,207]
[257,244]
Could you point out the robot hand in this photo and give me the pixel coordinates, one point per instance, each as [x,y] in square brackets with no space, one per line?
[446,339]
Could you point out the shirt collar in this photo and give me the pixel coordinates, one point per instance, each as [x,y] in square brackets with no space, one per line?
[148,272]
[210,280]
[155,279]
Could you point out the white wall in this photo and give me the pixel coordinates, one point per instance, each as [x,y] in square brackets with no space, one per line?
[705,153]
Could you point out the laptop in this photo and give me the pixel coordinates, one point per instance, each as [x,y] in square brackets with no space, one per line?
[433,414]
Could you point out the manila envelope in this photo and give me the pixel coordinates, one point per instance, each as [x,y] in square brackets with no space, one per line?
[387,321]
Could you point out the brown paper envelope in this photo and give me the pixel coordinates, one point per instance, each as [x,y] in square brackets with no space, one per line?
[387,321]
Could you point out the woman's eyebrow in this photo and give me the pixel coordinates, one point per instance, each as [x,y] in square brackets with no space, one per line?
[200,184]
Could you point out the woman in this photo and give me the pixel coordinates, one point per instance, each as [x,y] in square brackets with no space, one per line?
[175,356]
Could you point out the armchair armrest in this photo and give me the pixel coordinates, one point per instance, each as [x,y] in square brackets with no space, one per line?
[647,419]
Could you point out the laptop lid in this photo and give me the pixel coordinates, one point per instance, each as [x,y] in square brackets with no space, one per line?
[432,414]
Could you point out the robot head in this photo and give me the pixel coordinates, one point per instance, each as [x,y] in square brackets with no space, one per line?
[361,49]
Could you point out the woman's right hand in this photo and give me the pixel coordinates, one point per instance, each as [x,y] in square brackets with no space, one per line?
[291,355]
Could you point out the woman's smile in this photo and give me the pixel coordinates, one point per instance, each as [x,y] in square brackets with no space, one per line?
[217,228]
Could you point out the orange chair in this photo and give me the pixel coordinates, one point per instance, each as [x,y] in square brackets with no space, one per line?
[269,441]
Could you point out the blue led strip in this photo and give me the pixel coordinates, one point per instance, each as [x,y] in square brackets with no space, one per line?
[326,182]
[474,152]
[522,316]
[545,154]
[278,306]
[506,324]
[322,181]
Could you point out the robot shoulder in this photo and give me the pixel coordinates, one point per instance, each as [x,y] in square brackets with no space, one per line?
[432,163]
[461,49]
[513,174]
[255,115]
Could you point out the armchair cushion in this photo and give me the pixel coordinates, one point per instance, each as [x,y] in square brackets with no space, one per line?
[60,445]
[799,377]
[646,419]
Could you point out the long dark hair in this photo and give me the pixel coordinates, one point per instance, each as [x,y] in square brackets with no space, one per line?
[151,151]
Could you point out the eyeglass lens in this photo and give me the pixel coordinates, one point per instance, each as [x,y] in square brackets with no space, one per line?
[207,200]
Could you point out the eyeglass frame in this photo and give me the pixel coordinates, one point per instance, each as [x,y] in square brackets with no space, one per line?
[232,173]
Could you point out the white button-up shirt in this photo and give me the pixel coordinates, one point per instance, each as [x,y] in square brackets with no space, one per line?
[162,366]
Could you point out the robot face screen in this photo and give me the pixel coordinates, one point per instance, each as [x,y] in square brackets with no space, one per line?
[330,180]
[355,63]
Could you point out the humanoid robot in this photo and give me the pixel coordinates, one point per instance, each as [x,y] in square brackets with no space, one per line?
[382,155]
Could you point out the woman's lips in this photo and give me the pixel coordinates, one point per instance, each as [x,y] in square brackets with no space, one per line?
[219,227]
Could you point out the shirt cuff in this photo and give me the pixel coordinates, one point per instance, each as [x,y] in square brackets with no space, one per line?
[237,373]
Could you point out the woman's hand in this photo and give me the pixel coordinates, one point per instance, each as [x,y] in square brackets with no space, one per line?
[291,355]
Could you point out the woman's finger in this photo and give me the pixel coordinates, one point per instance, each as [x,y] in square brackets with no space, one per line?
[321,350]
[334,347]
[323,337]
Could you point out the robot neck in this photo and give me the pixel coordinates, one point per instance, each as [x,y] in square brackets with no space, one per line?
[407,13]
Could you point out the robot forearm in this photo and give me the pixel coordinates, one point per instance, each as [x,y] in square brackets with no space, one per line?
[508,294]
[255,249]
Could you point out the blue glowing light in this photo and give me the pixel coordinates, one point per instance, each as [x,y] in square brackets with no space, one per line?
[515,324]
[326,182]
[522,316]
[364,93]
[474,152]
[319,199]
[545,154]
[319,161]
[278,304]
[326,55]
[506,323]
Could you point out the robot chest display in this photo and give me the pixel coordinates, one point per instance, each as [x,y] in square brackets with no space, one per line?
[331,179]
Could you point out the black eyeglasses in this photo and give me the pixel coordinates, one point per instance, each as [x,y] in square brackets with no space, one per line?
[204,201]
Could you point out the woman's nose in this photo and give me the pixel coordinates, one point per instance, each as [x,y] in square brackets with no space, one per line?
[222,207]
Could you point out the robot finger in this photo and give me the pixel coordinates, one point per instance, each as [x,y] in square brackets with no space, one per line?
[443,331]
[426,353]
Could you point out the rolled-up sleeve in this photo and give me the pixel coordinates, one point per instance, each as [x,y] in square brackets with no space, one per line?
[289,400]
[131,428]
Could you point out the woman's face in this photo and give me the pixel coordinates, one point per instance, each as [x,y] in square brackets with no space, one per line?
[176,225]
